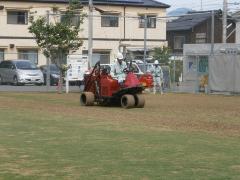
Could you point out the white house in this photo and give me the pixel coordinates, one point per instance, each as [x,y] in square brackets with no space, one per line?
[116,24]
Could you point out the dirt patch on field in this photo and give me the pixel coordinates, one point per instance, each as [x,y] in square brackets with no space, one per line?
[236,168]
[213,114]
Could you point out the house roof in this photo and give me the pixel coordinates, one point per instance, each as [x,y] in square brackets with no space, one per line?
[236,16]
[141,3]
[189,21]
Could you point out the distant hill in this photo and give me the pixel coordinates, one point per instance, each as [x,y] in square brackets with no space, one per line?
[179,11]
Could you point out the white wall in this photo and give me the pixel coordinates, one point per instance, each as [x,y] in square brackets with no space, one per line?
[21,38]
[237,32]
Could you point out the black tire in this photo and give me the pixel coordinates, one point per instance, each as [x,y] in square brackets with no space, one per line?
[139,100]
[87,99]
[15,81]
[1,81]
[39,84]
[127,101]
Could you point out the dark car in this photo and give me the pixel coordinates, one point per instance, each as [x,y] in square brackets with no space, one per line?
[54,74]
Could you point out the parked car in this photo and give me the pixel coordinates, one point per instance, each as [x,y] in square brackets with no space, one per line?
[54,74]
[140,59]
[148,66]
[20,72]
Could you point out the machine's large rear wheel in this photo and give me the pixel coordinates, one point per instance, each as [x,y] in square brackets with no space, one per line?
[127,101]
[139,100]
[87,99]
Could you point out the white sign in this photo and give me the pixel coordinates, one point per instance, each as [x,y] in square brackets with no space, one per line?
[78,66]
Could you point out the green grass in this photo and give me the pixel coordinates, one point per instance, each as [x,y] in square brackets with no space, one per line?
[46,145]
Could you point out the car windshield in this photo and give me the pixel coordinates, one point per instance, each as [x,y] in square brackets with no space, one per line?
[141,66]
[148,67]
[106,67]
[26,65]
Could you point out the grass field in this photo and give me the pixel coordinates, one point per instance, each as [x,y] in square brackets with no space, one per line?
[176,136]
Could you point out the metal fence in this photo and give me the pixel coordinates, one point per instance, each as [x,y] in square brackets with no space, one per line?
[8,84]
[136,37]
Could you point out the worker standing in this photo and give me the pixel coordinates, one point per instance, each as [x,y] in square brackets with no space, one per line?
[157,74]
[119,67]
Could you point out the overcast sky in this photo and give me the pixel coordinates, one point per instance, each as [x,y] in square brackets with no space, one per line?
[196,4]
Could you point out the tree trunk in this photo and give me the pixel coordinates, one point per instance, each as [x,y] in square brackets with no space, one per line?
[60,83]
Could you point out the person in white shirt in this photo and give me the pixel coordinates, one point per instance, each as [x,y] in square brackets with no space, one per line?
[157,74]
[119,67]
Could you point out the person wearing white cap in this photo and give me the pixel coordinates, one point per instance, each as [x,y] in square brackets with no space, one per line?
[119,67]
[157,74]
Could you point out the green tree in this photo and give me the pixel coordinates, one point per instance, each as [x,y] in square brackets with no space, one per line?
[162,54]
[178,70]
[56,39]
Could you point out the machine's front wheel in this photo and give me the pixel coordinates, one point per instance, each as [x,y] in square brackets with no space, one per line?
[139,100]
[127,101]
[87,99]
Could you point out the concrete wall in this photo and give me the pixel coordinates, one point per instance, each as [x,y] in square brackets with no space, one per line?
[238,32]
[191,51]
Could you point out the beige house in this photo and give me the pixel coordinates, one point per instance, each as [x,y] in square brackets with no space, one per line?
[117,25]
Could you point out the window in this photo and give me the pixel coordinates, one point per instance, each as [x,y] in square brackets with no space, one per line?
[7,65]
[4,64]
[98,55]
[74,21]
[192,63]
[203,64]
[134,68]
[201,38]
[30,54]
[17,17]
[151,21]
[178,42]
[25,65]
[109,20]
[1,55]
[103,57]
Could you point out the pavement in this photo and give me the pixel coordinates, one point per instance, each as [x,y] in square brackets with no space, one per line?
[33,88]
[186,87]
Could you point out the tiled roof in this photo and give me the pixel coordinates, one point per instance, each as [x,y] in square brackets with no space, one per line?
[142,3]
[188,21]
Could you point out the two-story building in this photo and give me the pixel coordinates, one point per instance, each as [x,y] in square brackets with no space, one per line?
[116,25]
[196,28]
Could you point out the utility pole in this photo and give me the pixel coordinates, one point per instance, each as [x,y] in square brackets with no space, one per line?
[48,62]
[145,42]
[90,33]
[224,21]
[212,32]
[211,57]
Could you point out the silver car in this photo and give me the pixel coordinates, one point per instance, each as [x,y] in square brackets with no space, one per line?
[20,72]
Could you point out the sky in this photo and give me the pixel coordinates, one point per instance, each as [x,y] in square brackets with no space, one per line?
[196,4]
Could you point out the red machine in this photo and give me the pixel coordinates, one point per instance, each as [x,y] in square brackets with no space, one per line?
[146,80]
[101,88]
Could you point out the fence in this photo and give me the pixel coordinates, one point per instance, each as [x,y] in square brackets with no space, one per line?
[195,73]
[8,82]
[135,36]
